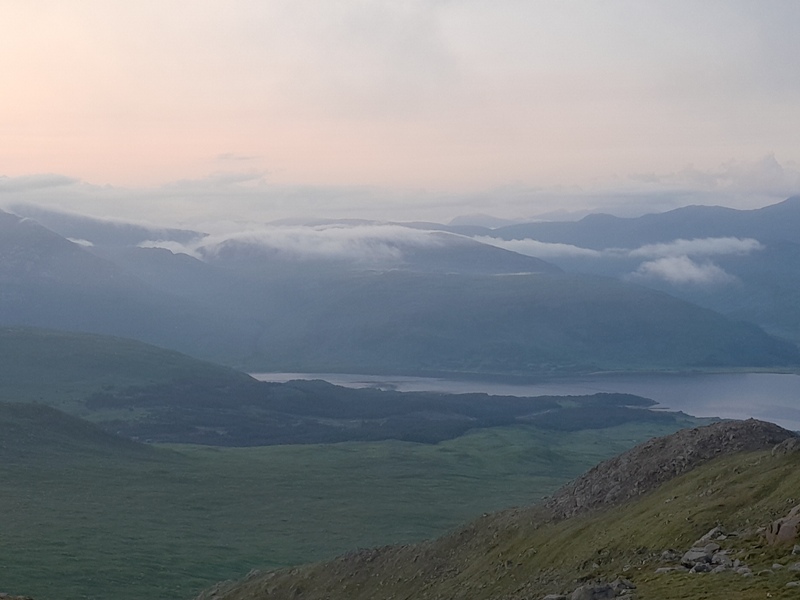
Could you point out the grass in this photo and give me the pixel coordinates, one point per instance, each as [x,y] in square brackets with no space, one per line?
[62,368]
[98,522]
[522,554]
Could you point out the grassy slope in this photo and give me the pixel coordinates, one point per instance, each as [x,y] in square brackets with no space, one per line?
[520,554]
[62,368]
[98,521]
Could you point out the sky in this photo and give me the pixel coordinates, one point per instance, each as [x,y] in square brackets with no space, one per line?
[191,112]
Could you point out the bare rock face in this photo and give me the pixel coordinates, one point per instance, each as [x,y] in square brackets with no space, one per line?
[785,530]
[648,465]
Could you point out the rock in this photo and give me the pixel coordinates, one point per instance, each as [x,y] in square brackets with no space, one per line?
[786,529]
[722,559]
[787,447]
[555,597]
[794,566]
[796,549]
[620,584]
[719,569]
[694,556]
[670,555]
[714,534]
[711,548]
[700,568]
[594,592]
[793,584]
[777,566]
[671,569]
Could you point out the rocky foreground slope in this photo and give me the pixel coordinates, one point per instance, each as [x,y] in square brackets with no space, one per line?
[704,513]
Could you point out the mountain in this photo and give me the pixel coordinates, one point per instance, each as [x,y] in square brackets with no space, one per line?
[385,300]
[777,222]
[626,528]
[742,263]
[48,281]
[101,232]
[545,324]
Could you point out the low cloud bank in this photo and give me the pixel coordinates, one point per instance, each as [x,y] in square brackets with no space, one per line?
[544,250]
[334,242]
[699,247]
[680,261]
[682,269]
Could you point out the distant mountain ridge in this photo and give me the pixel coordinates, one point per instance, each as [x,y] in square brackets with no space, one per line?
[777,222]
[760,284]
[372,299]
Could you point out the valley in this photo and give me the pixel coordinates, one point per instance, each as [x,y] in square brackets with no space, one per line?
[418,300]
[139,459]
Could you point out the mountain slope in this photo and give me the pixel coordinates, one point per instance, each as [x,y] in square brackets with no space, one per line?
[777,222]
[530,552]
[34,431]
[48,281]
[431,304]
[742,263]
[417,323]
[62,368]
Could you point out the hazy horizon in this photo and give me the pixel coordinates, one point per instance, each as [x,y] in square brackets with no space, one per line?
[190,112]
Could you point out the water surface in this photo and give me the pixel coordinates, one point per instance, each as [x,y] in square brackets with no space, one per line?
[768,396]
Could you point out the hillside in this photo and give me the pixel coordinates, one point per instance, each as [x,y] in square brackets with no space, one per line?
[742,263]
[62,369]
[359,298]
[522,324]
[147,393]
[635,528]
[30,432]
[50,282]
[92,515]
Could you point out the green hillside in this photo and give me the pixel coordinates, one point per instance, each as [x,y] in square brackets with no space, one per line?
[531,552]
[90,516]
[62,369]
[150,394]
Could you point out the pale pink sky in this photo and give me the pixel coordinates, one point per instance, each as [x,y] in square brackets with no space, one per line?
[412,103]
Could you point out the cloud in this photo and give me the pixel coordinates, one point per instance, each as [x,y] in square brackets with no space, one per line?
[680,261]
[332,242]
[80,242]
[34,182]
[530,247]
[172,246]
[699,247]
[682,269]
[696,248]
[763,177]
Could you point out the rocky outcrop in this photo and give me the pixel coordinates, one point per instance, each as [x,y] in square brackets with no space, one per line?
[786,529]
[789,446]
[645,467]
